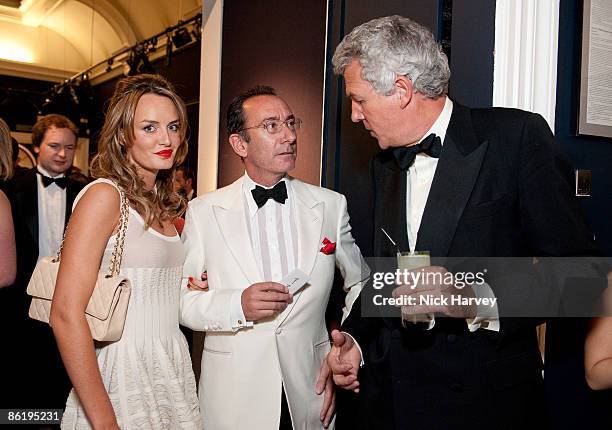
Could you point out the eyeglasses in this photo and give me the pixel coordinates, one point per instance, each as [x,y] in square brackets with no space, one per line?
[274,126]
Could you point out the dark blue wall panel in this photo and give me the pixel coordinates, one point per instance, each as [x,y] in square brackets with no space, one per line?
[586,152]
[472,45]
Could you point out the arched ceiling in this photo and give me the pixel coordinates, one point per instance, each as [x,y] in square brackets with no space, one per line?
[54,39]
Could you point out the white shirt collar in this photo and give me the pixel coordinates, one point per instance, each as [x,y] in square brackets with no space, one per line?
[42,170]
[249,184]
[440,126]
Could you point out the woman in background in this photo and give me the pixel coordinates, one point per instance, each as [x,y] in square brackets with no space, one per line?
[144,380]
[8,259]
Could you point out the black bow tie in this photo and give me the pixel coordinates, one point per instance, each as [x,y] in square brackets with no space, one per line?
[278,193]
[405,155]
[61,182]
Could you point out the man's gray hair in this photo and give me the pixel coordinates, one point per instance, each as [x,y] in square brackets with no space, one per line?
[394,45]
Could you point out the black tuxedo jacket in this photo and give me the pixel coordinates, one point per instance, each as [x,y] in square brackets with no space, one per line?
[501,189]
[24,189]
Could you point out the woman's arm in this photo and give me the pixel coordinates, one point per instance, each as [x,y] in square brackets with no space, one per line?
[93,221]
[598,354]
[8,260]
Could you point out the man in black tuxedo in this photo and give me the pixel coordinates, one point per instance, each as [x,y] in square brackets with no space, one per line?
[42,200]
[457,182]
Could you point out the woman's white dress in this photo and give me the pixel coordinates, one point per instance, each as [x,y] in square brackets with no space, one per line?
[147,373]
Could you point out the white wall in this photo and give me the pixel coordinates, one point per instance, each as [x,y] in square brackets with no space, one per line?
[525,69]
[210,92]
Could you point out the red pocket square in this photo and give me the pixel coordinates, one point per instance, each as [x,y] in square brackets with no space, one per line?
[329,247]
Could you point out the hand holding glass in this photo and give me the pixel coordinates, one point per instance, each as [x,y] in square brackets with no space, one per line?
[411,261]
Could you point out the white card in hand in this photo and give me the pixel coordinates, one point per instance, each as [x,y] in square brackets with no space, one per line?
[294,281]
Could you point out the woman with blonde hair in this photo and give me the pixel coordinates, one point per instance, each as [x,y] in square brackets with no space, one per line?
[145,379]
[8,262]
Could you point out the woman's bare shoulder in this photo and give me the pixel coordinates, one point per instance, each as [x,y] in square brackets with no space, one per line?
[100,201]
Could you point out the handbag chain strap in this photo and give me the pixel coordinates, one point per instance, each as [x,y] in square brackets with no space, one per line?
[115,263]
[116,257]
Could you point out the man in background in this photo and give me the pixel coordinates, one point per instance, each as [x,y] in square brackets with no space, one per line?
[42,204]
[184,180]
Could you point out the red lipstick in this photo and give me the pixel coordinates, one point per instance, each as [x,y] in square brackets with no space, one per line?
[164,153]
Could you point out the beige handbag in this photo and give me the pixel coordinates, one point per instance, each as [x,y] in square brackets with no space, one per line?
[107,307]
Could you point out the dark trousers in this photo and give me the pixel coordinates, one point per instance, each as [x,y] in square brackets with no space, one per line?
[285,419]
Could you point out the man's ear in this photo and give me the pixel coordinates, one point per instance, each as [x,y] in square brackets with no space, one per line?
[238,145]
[403,90]
[36,149]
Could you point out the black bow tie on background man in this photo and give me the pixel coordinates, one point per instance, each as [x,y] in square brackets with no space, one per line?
[405,155]
[278,193]
[46,180]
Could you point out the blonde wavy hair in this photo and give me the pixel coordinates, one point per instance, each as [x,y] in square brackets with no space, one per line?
[162,202]
[6,151]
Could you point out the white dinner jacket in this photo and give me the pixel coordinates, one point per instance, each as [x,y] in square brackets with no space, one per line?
[243,370]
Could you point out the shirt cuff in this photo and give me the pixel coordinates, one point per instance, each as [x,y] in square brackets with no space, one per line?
[487,314]
[358,347]
[430,324]
[236,314]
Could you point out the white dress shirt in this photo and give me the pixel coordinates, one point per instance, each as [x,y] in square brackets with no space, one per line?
[273,236]
[419,178]
[51,215]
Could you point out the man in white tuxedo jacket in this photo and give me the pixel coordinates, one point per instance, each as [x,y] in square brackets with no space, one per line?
[264,347]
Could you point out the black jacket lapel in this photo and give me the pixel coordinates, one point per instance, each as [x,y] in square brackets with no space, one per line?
[456,173]
[389,205]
